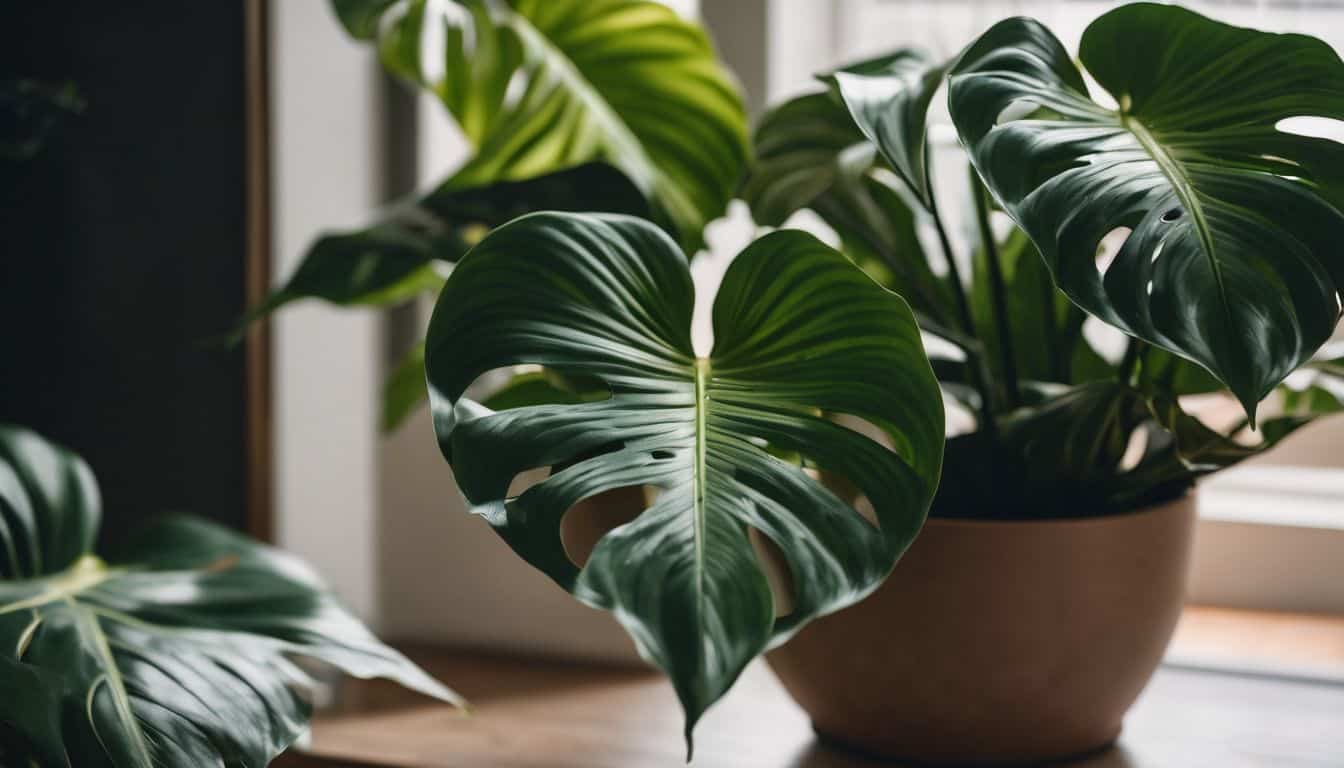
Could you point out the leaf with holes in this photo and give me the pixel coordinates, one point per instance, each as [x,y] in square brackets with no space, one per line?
[181,653]
[1234,256]
[799,332]
[540,85]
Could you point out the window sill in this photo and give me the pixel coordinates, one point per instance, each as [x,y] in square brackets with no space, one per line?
[1286,645]
[545,713]
[1270,538]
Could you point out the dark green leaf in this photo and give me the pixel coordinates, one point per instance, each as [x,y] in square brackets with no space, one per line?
[809,154]
[179,655]
[409,250]
[30,716]
[889,98]
[1060,455]
[360,17]
[799,331]
[624,81]
[49,506]
[1233,256]
[1074,441]
[1180,449]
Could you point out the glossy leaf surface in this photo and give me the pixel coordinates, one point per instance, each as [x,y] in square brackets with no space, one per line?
[798,331]
[410,248]
[627,82]
[1234,258]
[182,653]
[810,155]
[888,98]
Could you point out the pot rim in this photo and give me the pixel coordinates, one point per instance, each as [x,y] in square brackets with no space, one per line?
[1110,518]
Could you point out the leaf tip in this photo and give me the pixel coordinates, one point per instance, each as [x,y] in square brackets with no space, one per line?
[1249,404]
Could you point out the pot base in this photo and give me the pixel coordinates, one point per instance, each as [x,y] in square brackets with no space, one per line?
[998,643]
[903,758]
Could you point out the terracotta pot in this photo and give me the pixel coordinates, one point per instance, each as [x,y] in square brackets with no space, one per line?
[998,642]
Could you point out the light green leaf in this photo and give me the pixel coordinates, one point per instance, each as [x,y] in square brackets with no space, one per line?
[1233,259]
[799,331]
[404,389]
[179,655]
[623,81]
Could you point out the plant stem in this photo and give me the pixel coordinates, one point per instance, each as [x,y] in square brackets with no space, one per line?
[1131,359]
[974,374]
[998,293]
[1072,332]
[953,271]
[1051,340]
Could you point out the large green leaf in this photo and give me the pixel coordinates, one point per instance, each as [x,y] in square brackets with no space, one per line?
[799,331]
[888,98]
[409,249]
[1233,259]
[810,155]
[180,654]
[625,81]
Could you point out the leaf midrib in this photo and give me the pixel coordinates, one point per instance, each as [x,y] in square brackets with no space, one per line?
[87,573]
[701,464]
[88,626]
[1185,192]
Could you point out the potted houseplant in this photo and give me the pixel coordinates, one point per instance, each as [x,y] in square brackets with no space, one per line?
[738,469]
[190,646]
[1039,599]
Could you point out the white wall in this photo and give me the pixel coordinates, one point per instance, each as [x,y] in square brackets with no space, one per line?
[325,155]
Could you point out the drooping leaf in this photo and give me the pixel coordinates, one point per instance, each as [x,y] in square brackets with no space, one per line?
[1318,387]
[1180,449]
[404,389]
[888,97]
[179,654]
[409,250]
[799,331]
[624,81]
[810,155]
[1059,455]
[1233,259]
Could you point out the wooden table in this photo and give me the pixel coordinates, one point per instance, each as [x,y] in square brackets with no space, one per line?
[535,714]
